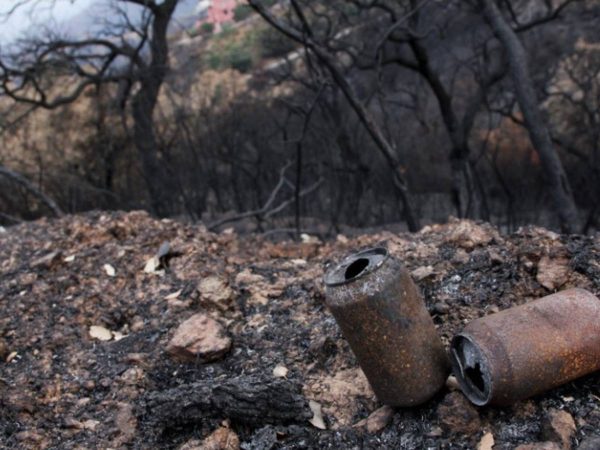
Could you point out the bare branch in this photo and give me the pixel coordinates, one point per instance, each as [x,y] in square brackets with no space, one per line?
[29,187]
[545,19]
[267,210]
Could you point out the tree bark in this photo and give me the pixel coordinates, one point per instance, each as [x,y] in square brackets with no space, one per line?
[251,399]
[556,178]
[463,186]
[143,105]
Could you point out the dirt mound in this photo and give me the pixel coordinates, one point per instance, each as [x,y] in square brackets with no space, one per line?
[90,303]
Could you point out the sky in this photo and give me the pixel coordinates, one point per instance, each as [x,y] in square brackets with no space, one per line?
[37,14]
[56,15]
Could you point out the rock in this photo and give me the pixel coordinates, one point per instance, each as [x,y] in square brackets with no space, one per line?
[100,333]
[559,427]
[134,376]
[539,446]
[174,295]
[308,239]
[152,265]
[493,309]
[486,442]
[440,308]
[280,371]
[110,270]
[91,424]
[422,272]
[495,256]
[342,394]
[342,239]
[200,338]
[11,356]
[247,277]
[468,235]
[552,272]
[377,420]
[452,383]
[214,290]
[72,423]
[223,438]
[31,436]
[137,324]
[590,443]
[46,261]
[435,432]
[317,419]
[126,424]
[457,415]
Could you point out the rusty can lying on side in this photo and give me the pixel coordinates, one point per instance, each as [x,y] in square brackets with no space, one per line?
[528,349]
[383,317]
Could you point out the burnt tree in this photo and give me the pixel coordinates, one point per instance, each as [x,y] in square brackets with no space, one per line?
[53,71]
[558,183]
[304,34]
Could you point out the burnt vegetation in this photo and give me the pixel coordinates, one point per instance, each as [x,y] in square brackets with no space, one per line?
[315,116]
[193,181]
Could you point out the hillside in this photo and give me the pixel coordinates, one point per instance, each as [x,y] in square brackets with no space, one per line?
[88,317]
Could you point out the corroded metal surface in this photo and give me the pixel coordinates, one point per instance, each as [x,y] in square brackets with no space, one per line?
[383,317]
[528,349]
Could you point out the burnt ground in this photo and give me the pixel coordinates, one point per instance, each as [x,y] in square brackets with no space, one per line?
[61,388]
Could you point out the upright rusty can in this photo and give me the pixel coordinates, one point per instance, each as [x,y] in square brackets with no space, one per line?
[528,349]
[383,317]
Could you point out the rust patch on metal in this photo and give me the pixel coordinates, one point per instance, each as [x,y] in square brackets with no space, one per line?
[383,317]
[523,351]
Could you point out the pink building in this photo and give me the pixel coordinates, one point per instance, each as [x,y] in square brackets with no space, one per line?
[221,11]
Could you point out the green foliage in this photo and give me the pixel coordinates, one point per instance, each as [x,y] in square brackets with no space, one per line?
[193,32]
[207,28]
[242,12]
[214,60]
[238,57]
[227,31]
[273,44]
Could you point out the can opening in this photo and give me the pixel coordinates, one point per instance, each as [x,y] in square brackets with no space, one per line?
[474,375]
[356,266]
[471,369]
[354,269]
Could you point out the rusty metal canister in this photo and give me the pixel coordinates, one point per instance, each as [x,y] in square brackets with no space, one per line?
[383,317]
[528,349]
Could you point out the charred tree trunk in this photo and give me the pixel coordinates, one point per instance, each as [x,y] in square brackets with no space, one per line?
[143,105]
[558,184]
[468,197]
[252,400]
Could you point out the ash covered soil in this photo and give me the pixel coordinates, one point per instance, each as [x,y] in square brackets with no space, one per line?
[87,358]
